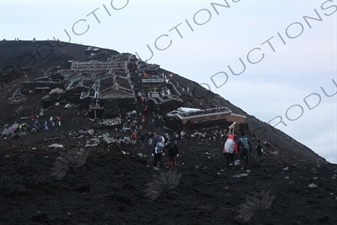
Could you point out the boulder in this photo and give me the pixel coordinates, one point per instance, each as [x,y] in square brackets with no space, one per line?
[55,146]
[241,175]
[312,185]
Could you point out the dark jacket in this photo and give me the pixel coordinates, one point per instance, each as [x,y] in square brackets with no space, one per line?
[172,149]
[240,144]
[156,138]
[259,147]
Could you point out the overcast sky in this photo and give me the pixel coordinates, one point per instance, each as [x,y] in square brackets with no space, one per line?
[287,49]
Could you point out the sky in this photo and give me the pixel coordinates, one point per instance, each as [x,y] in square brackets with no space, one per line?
[274,59]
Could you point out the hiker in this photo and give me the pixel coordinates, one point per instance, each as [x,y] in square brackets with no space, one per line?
[124,127]
[20,128]
[182,134]
[146,109]
[12,129]
[58,120]
[142,140]
[52,120]
[36,123]
[167,138]
[176,138]
[172,153]
[158,152]
[46,125]
[259,149]
[133,136]
[132,127]
[156,138]
[245,147]
[162,140]
[229,150]
[143,120]
[150,137]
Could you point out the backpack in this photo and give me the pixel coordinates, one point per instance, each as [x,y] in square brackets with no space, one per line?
[244,143]
[158,148]
[229,146]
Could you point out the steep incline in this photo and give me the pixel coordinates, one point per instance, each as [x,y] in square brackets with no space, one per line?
[34,58]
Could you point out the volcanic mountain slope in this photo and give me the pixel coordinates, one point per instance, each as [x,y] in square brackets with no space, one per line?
[27,60]
[107,180]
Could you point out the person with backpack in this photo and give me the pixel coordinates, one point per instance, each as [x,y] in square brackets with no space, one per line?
[245,147]
[59,120]
[150,137]
[172,153]
[162,140]
[143,119]
[259,148]
[52,120]
[155,137]
[229,150]
[158,152]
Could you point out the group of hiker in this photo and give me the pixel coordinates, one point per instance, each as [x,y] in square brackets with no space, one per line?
[55,121]
[38,125]
[242,148]
[162,145]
